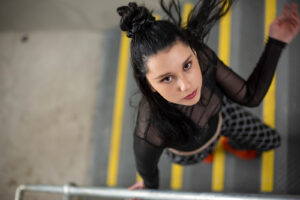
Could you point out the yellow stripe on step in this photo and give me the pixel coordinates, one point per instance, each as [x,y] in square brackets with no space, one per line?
[267,168]
[176,177]
[120,91]
[218,171]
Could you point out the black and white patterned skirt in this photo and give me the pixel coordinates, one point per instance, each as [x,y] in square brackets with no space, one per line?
[243,130]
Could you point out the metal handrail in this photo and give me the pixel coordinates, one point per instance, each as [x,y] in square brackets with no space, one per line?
[71,190]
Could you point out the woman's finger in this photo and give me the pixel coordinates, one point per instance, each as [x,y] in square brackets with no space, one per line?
[295,16]
[134,187]
[138,185]
[294,6]
[286,11]
[295,13]
[293,24]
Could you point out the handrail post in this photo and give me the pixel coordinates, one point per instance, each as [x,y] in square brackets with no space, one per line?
[19,192]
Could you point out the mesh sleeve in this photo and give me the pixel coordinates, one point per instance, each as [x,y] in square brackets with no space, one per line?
[147,147]
[147,157]
[252,91]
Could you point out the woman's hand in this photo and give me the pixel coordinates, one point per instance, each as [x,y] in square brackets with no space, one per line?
[286,26]
[137,186]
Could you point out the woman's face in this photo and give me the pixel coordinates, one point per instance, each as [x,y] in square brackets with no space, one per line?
[175,74]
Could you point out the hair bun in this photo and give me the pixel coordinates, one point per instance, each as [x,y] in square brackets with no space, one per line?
[134,18]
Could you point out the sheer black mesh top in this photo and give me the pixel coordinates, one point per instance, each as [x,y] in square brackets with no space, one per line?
[218,80]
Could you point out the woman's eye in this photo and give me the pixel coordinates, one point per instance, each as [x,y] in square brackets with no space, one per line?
[167,79]
[188,66]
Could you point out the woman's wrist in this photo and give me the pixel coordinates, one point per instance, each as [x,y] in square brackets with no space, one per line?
[276,42]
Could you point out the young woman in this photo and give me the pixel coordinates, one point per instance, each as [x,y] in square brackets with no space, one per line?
[188,93]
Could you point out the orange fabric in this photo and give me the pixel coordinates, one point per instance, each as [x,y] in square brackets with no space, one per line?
[243,154]
[209,158]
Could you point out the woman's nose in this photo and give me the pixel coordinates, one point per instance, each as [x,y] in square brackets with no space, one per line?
[184,84]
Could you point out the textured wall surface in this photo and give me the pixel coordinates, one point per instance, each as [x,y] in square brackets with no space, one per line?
[97,15]
[48,84]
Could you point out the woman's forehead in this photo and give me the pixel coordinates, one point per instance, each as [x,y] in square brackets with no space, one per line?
[168,59]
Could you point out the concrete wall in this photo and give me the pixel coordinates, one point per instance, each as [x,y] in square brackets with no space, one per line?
[48,87]
[98,15]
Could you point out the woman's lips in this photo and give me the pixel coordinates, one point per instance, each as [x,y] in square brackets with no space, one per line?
[192,95]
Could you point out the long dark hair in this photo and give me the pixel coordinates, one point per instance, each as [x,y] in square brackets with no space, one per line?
[150,36]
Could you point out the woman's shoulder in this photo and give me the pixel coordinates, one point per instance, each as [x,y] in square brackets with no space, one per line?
[144,108]
[145,129]
[143,119]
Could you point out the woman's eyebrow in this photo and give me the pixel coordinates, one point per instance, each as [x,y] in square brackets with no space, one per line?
[160,76]
[168,73]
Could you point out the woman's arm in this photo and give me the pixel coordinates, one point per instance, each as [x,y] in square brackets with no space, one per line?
[147,148]
[251,92]
[147,157]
